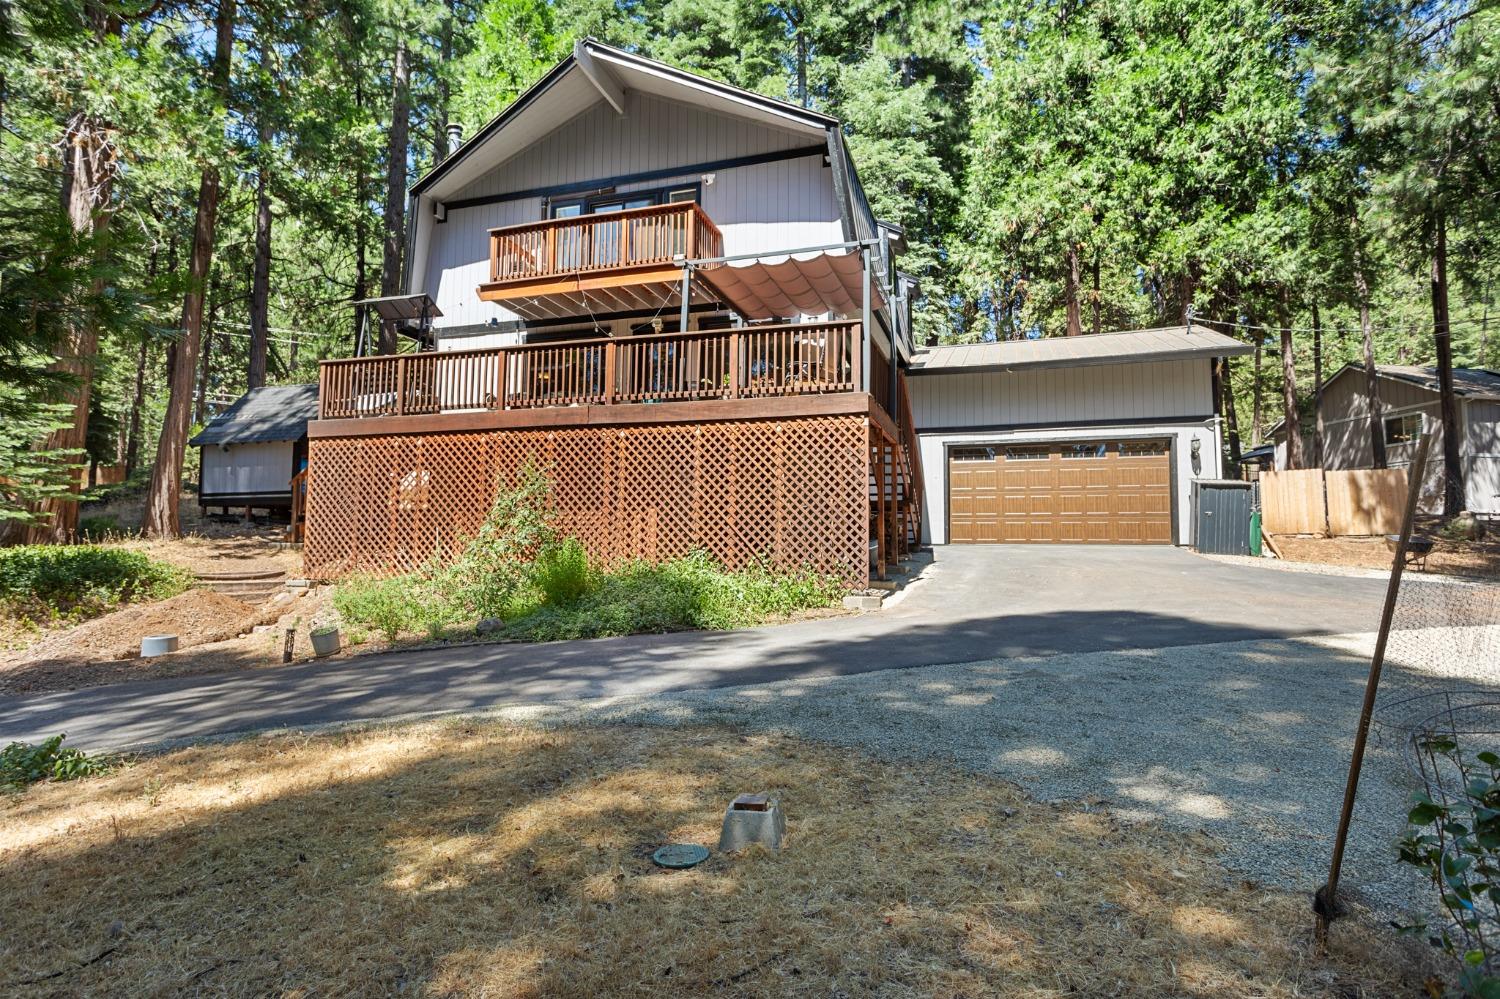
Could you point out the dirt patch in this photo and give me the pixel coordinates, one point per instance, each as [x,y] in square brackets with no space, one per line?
[487,859]
[102,650]
[1460,558]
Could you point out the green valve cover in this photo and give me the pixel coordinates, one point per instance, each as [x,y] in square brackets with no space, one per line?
[679,856]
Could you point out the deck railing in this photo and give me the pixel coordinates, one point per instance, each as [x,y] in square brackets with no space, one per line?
[747,363]
[655,235]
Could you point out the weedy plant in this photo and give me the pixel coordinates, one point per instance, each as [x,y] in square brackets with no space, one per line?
[49,582]
[1455,843]
[23,764]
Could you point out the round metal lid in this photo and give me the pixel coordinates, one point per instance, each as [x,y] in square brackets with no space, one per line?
[679,856]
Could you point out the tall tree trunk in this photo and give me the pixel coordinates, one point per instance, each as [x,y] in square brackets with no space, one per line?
[1231,419]
[1372,377]
[1255,387]
[361,232]
[160,517]
[442,88]
[1071,287]
[88,182]
[206,349]
[802,64]
[1291,420]
[1098,296]
[137,403]
[1453,471]
[1317,386]
[397,147]
[260,279]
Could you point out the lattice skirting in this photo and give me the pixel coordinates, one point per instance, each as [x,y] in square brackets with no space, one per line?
[793,491]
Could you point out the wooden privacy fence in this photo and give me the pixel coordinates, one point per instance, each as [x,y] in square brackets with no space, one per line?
[1339,502]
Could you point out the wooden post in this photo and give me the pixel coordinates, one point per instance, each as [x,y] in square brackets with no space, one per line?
[322,391]
[863,381]
[735,342]
[687,295]
[400,385]
[878,456]
[610,350]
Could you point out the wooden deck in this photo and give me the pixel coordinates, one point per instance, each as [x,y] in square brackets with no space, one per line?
[758,362]
[608,262]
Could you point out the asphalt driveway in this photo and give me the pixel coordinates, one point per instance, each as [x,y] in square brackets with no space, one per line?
[973,604]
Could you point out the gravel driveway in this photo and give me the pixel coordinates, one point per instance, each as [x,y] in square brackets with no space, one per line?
[1246,741]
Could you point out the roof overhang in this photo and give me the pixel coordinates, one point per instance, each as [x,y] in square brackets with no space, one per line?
[1130,347]
[596,72]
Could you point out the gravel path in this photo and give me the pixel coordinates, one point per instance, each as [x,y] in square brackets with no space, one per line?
[1246,741]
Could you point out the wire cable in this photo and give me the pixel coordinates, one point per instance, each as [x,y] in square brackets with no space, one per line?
[1338,329]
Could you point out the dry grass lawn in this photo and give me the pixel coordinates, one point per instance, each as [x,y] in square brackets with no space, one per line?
[460,859]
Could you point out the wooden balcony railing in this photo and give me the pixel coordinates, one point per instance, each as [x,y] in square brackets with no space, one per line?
[634,238]
[748,363]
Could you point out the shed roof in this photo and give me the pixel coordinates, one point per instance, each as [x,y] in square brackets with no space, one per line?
[270,413]
[1167,344]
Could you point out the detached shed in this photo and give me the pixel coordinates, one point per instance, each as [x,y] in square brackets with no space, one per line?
[251,450]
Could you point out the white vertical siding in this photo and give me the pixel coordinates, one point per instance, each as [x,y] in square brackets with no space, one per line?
[1104,392]
[769,206]
[247,468]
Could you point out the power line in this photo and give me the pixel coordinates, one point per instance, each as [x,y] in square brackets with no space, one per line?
[1336,329]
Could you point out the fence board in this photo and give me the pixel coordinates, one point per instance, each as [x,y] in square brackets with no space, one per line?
[1292,502]
[1364,501]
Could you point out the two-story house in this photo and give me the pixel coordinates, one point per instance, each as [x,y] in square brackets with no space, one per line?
[672,294]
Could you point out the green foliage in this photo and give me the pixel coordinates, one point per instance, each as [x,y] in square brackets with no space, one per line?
[29,472]
[99,528]
[22,764]
[1456,845]
[687,593]
[391,605]
[562,572]
[46,582]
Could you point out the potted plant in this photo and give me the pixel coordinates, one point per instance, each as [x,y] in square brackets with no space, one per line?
[325,640]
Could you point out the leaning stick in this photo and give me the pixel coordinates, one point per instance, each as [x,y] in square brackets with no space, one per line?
[1325,899]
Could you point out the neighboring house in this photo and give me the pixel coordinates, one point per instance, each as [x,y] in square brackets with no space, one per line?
[672,295]
[1407,393]
[250,452]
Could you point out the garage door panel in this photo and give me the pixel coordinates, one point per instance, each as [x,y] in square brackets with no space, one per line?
[1078,493]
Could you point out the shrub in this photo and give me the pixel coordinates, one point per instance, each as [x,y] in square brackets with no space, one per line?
[486,578]
[45,582]
[1455,843]
[562,573]
[391,605]
[100,527]
[691,592]
[22,763]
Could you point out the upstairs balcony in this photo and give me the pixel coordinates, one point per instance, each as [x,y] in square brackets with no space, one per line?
[750,363]
[608,262]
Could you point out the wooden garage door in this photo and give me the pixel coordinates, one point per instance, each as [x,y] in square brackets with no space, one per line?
[1100,492]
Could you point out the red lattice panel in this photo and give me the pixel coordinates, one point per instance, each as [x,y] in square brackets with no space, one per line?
[793,492]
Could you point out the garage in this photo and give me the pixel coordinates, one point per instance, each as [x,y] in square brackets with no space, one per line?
[1088,492]
[1091,439]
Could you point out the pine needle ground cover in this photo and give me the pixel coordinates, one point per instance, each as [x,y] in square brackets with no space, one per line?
[490,859]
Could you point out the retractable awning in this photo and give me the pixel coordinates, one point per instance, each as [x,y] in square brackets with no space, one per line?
[782,287]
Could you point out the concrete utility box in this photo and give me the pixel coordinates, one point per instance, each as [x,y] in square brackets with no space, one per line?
[750,819]
[1221,516]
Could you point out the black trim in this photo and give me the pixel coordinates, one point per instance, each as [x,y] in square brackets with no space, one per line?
[1020,367]
[587,186]
[523,326]
[1143,421]
[590,204]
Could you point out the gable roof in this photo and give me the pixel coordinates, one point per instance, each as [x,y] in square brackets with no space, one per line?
[270,413]
[1168,344]
[592,73]
[1468,383]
